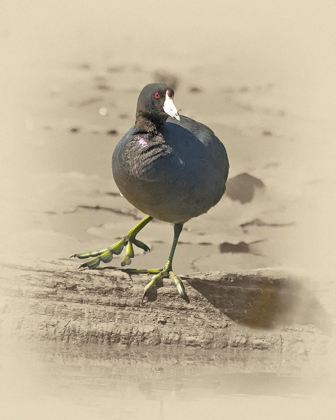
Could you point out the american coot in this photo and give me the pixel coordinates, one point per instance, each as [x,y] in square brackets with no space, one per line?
[168,166]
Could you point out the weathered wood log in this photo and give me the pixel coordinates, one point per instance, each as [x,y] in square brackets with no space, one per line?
[270,309]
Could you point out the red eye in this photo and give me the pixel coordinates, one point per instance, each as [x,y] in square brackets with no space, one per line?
[157,95]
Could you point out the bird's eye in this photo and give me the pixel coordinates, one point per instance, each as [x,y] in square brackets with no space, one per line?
[157,95]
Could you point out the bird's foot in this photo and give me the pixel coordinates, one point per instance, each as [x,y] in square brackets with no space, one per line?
[159,273]
[106,255]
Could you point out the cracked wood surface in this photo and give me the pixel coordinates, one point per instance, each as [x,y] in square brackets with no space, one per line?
[267,309]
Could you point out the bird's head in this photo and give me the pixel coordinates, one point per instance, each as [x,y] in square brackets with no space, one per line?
[156,103]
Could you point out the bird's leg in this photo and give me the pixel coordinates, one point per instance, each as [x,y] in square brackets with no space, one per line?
[167,271]
[106,255]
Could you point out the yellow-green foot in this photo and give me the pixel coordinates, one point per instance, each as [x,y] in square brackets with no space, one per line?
[159,274]
[106,255]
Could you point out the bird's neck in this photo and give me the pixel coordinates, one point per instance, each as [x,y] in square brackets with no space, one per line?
[144,125]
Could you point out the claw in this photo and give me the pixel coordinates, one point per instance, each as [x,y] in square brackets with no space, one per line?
[150,285]
[166,272]
[94,254]
[89,254]
[129,254]
[141,245]
[126,261]
[141,270]
[82,255]
[160,275]
[91,263]
[179,285]
[130,250]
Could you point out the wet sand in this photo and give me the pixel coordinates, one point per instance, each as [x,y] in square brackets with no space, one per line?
[79,383]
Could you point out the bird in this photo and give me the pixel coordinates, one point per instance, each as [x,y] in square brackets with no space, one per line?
[170,167]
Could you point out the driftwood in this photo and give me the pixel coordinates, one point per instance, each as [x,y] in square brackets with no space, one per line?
[263,310]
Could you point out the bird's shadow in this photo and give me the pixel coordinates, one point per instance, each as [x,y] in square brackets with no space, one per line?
[257,303]
[265,305]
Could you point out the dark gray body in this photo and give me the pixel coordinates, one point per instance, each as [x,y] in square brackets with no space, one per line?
[174,175]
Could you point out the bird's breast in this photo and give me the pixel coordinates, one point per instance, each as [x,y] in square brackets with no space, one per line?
[145,157]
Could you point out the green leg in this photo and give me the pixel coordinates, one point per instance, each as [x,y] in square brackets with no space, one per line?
[167,271]
[106,255]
